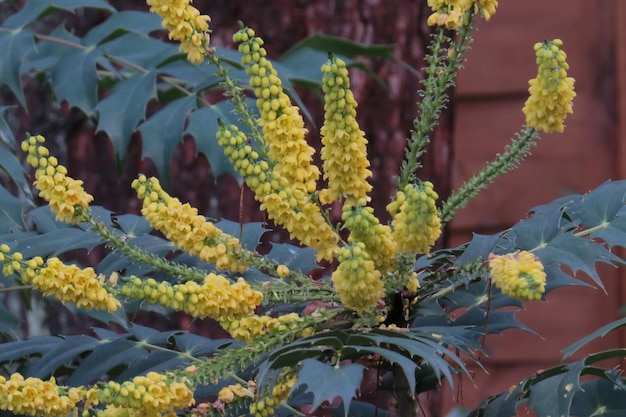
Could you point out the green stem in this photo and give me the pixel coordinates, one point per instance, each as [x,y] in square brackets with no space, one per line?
[238,99]
[443,65]
[16,288]
[507,161]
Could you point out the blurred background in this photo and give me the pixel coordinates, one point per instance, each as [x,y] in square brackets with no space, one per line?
[482,116]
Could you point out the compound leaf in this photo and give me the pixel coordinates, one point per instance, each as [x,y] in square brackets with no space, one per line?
[338,381]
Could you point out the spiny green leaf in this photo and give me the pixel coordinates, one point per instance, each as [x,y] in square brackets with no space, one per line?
[601,332]
[12,351]
[157,361]
[9,323]
[249,234]
[577,254]
[162,132]
[600,398]
[499,405]
[74,79]
[106,356]
[133,225]
[613,233]
[339,46]
[341,381]
[197,345]
[407,365]
[125,21]
[140,50]
[6,134]
[124,108]
[61,354]
[33,10]
[535,232]
[601,205]
[296,258]
[11,212]
[480,247]
[203,127]
[553,396]
[15,46]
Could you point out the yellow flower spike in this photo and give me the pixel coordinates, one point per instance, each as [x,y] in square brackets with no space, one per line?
[345,147]
[282,123]
[416,224]
[519,275]
[185,228]
[67,199]
[216,297]
[552,91]
[247,328]
[66,283]
[36,397]
[452,14]
[356,279]
[184,24]
[365,227]
[151,395]
[265,406]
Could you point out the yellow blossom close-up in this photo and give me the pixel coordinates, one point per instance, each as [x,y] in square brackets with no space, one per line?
[552,91]
[186,25]
[65,195]
[344,153]
[519,275]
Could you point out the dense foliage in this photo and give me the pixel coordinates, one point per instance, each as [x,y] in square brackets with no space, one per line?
[388,315]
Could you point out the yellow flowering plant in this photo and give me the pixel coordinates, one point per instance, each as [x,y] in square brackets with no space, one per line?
[359,309]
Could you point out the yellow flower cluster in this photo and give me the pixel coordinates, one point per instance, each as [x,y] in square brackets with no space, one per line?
[66,283]
[35,397]
[345,147]
[216,297]
[552,92]
[150,395]
[185,228]
[68,200]
[304,220]
[356,279]
[416,224]
[519,275]
[247,328]
[184,24]
[283,126]
[288,206]
[453,14]
[227,394]
[280,391]
[365,227]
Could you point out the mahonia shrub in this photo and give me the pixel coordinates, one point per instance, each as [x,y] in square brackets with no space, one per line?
[376,322]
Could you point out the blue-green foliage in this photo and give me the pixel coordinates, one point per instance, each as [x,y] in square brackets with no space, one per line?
[458,305]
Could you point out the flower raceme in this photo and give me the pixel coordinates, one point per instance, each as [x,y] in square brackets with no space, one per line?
[36,397]
[356,279]
[416,224]
[345,147]
[216,297]
[282,123]
[365,227]
[453,14]
[184,24]
[247,328]
[151,395]
[68,200]
[66,283]
[552,91]
[519,275]
[187,229]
